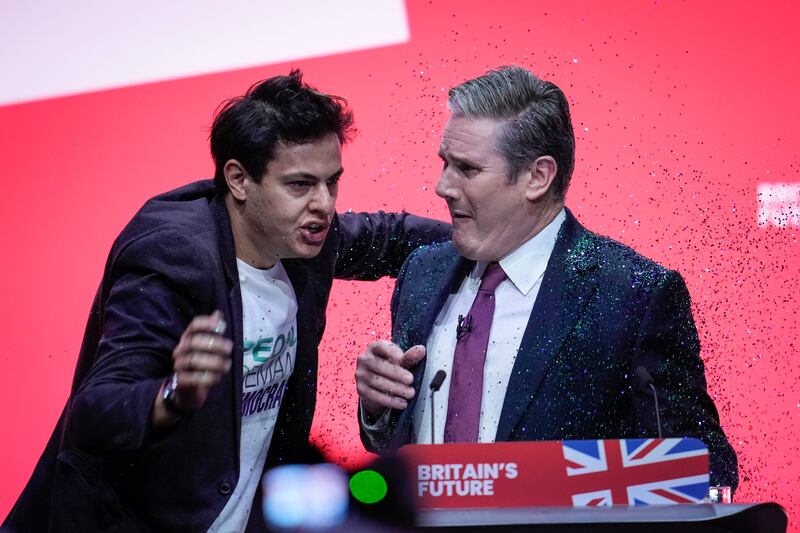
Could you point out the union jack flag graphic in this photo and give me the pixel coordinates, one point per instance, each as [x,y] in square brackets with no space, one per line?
[636,471]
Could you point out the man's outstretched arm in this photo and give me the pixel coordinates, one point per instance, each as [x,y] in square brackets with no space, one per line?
[373,245]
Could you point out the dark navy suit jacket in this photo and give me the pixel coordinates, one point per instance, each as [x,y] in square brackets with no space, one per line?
[104,468]
[602,311]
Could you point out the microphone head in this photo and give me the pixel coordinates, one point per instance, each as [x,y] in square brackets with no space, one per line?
[438,379]
[643,375]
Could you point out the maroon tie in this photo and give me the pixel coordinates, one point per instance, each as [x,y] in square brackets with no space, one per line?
[466,384]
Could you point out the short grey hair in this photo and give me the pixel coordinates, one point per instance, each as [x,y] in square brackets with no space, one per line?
[535,115]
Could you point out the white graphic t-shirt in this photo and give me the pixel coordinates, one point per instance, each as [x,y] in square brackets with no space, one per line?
[269,305]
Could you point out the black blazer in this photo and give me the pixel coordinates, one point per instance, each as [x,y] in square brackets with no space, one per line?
[104,468]
[602,311]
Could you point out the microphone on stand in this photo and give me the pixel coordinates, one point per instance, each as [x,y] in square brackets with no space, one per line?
[436,384]
[647,380]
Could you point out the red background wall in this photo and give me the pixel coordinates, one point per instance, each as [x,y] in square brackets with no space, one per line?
[681,111]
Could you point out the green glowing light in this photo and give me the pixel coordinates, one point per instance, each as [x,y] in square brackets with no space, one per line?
[368,486]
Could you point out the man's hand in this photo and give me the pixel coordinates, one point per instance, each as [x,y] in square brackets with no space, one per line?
[382,377]
[200,359]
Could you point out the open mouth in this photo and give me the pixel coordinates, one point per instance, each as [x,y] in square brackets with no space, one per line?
[314,233]
[315,228]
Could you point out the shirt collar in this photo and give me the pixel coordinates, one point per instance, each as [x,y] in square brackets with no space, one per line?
[526,265]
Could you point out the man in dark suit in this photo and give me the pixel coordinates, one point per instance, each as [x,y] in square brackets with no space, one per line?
[199,363]
[545,330]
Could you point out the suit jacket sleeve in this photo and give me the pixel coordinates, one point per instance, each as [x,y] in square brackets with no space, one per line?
[154,285]
[668,346]
[373,245]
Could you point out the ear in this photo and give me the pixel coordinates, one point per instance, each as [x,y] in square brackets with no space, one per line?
[235,177]
[539,177]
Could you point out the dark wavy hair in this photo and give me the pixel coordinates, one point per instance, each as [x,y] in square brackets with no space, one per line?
[279,110]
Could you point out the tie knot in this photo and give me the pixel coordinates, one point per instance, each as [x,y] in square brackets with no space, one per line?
[492,277]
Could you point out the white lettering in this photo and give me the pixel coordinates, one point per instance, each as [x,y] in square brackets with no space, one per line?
[779,204]
[511,470]
[469,472]
[424,472]
[476,487]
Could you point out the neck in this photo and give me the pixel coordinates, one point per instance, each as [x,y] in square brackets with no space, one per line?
[540,220]
[545,217]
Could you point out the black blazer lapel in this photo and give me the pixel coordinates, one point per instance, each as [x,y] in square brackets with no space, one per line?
[424,290]
[304,375]
[235,320]
[565,290]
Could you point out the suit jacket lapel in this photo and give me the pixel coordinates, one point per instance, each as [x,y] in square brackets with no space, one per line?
[565,290]
[420,307]
[227,251]
[305,366]
[442,283]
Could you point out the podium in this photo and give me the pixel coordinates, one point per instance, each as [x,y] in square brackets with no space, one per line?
[677,518]
[625,485]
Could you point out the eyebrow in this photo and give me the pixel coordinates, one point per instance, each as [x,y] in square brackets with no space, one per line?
[307,176]
[464,161]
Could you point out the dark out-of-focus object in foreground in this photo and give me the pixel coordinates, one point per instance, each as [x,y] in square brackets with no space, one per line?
[324,497]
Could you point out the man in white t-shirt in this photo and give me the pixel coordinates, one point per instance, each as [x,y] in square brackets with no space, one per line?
[198,366]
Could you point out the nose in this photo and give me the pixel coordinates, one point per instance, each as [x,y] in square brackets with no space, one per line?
[324,199]
[444,187]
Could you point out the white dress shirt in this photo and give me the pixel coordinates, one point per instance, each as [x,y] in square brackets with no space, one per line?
[514,299]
